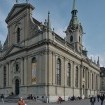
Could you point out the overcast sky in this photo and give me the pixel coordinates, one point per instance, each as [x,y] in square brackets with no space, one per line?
[91,14]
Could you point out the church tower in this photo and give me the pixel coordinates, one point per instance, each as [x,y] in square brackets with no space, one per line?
[74,31]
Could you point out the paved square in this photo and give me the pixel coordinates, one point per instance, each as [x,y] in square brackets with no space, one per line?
[78,102]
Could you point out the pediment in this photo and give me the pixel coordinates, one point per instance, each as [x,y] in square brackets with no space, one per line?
[17,8]
[15,11]
[13,49]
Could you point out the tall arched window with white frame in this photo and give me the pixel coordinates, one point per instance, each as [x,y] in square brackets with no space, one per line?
[69,74]
[18,35]
[83,72]
[33,66]
[76,77]
[96,83]
[92,81]
[88,80]
[58,72]
[5,76]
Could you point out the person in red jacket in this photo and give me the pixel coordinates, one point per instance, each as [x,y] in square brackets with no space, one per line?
[21,101]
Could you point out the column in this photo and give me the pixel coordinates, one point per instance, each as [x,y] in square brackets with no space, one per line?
[25,70]
[22,71]
[46,69]
[79,70]
[73,77]
[81,67]
[64,77]
[50,67]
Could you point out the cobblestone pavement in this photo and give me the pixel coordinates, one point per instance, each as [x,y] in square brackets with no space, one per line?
[78,102]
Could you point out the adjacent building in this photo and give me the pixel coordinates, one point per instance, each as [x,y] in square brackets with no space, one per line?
[102,80]
[35,60]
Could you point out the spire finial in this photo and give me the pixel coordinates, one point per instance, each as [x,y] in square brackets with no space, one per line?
[27,1]
[98,61]
[49,23]
[74,5]
[16,1]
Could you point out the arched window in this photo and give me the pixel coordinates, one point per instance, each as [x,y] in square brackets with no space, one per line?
[58,72]
[69,74]
[71,38]
[5,76]
[33,66]
[79,39]
[88,80]
[76,77]
[96,83]
[18,35]
[83,73]
[92,81]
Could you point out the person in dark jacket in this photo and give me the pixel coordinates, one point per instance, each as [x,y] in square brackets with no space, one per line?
[98,97]
[2,98]
[102,99]
[92,100]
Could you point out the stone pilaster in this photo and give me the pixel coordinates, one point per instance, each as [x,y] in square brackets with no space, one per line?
[50,67]
[25,70]
[22,71]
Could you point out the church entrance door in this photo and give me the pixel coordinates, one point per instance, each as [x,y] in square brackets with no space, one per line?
[17,87]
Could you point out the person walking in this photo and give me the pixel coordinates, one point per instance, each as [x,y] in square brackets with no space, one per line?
[2,98]
[92,100]
[21,101]
[102,99]
[98,97]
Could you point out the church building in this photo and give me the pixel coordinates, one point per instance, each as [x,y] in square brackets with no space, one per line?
[36,60]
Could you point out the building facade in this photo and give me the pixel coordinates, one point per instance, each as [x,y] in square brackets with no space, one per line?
[35,60]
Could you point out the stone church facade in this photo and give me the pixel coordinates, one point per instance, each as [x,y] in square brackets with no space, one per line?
[35,60]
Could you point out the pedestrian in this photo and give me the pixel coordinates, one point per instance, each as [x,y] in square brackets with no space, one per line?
[2,98]
[59,99]
[21,101]
[98,97]
[92,100]
[102,99]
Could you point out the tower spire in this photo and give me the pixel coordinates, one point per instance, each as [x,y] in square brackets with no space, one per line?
[74,31]
[98,61]
[74,5]
[74,10]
